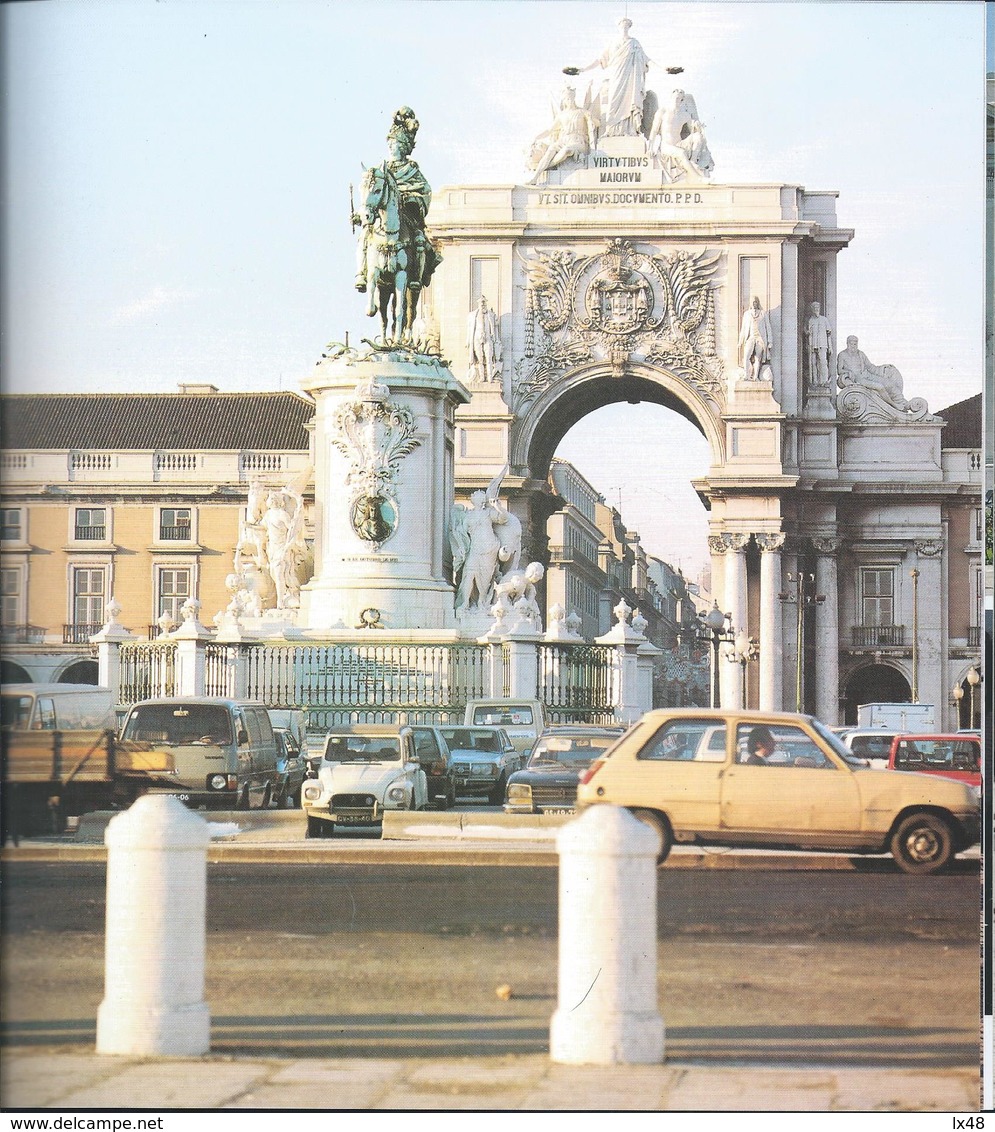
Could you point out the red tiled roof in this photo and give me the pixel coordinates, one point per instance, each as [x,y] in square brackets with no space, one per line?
[123,421]
[963,428]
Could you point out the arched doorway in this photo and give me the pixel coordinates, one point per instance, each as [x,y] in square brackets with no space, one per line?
[874,684]
[81,672]
[11,673]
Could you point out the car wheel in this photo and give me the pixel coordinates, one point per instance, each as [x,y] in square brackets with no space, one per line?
[496,795]
[318,828]
[661,826]
[922,844]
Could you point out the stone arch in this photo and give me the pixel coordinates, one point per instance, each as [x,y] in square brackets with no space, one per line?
[80,672]
[873,683]
[12,673]
[543,424]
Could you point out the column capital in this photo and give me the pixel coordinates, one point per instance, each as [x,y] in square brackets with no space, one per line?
[826,545]
[737,543]
[717,544]
[769,542]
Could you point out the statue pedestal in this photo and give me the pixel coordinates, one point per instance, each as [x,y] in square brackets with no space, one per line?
[383,453]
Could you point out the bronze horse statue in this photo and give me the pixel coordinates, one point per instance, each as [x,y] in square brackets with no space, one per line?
[396,265]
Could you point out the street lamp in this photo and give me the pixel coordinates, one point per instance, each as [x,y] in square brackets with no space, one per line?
[958,694]
[803,597]
[973,679]
[744,650]
[714,628]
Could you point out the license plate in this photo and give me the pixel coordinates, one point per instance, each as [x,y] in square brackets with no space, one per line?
[354,819]
[561,810]
[462,781]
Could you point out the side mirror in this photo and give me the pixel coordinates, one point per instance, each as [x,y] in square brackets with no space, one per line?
[243,737]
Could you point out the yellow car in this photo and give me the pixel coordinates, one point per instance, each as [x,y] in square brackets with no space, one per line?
[770,779]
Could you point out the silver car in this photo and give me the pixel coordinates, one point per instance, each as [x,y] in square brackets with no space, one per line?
[483,759]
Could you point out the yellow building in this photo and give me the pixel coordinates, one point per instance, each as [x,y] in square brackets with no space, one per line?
[136,497]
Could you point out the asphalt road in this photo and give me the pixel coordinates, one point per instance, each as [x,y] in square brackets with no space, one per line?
[863,968]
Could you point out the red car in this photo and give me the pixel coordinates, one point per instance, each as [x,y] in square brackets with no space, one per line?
[953,756]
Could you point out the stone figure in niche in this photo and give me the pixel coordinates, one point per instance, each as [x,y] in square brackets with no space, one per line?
[396,259]
[572,134]
[677,138]
[755,340]
[626,65]
[483,340]
[819,342]
[853,368]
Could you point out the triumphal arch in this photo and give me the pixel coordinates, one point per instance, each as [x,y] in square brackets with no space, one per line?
[617,265]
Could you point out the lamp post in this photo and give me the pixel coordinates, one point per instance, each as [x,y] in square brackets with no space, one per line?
[957,692]
[743,651]
[714,627]
[914,574]
[973,680]
[803,597]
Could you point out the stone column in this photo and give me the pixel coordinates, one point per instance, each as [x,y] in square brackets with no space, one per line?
[771,651]
[932,689]
[191,657]
[827,632]
[737,606]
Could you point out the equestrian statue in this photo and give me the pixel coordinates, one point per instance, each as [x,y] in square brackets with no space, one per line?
[396,258]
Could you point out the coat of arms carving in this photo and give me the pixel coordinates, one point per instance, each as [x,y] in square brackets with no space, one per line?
[620,305]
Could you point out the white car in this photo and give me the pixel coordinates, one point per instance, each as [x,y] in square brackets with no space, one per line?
[365,770]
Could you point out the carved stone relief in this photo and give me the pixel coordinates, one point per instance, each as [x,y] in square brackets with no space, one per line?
[374,434]
[618,306]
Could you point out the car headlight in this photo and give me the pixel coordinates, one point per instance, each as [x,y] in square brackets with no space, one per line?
[397,794]
[311,792]
[484,769]
[520,792]
[217,781]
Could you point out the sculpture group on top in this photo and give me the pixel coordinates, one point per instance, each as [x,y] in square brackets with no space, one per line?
[623,107]
[396,257]
[873,394]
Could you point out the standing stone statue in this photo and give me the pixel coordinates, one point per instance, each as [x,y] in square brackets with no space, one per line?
[396,258]
[483,340]
[755,340]
[819,339]
[475,547]
[626,65]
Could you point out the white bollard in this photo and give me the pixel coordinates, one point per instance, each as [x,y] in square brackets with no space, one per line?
[156,932]
[607,1000]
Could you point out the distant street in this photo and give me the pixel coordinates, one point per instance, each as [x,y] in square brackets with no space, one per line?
[869,967]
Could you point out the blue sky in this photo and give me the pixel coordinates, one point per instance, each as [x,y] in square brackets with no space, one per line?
[176,195]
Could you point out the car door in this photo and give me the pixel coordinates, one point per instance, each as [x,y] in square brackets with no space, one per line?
[801,791]
[679,771]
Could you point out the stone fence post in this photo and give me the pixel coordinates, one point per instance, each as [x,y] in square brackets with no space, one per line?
[108,642]
[191,640]
[629,683]
[523,655]
[607,974]
[156,932]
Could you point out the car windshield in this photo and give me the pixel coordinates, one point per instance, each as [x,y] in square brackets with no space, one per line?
[363,749]
[179,724]
[494,716]
[572,752]
[16,711]
[838,747]
[462,739]
[938,754]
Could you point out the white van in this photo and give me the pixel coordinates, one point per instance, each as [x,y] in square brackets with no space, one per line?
[225,751]
[57,707]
